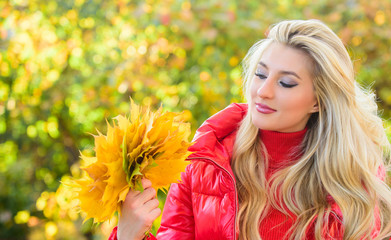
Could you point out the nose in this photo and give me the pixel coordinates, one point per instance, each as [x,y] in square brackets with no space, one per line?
[266,90]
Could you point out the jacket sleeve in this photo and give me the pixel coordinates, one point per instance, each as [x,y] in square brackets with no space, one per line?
[335,228]
[113,235]
[178,219]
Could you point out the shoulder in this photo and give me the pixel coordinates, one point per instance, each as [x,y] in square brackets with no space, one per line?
[217,127]
[223,122]
[214,140]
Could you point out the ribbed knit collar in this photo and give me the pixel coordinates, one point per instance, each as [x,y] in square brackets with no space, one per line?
[283,148]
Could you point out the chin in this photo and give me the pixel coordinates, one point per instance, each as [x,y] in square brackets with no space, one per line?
[259,125]
[257,120]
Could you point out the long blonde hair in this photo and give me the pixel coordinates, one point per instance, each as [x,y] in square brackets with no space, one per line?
[344,147]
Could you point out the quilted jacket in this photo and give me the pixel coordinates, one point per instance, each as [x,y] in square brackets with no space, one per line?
[205,204]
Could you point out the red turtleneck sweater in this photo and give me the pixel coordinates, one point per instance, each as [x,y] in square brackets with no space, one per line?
[283,149]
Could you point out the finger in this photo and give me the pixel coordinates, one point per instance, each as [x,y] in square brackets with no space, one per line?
[155,213]
[147,195]
[150,205]
[131,194]
[146,183]
[133,200]
[152,213]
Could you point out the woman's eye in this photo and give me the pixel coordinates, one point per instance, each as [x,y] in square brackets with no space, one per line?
[260,75]
[287,85]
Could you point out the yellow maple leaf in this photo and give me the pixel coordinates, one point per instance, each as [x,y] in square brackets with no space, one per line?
[149,144]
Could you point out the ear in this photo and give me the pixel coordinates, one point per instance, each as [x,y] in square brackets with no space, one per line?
[315,108]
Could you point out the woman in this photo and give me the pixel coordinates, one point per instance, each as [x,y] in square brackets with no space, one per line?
[304,159]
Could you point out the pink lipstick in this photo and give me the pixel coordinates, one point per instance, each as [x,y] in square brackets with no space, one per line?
[265,109]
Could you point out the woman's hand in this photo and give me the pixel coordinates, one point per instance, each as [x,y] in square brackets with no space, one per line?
[139,210]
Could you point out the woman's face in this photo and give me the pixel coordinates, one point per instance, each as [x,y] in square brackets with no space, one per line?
[282,90]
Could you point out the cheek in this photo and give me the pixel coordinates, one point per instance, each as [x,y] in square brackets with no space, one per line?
[299,103]
[254,88]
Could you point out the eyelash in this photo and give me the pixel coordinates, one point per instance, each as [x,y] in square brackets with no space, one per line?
[285,85]
[260,75]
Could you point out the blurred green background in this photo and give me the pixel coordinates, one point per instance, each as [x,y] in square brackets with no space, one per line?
[66,66]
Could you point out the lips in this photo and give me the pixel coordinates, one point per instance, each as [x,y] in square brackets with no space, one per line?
[265,109]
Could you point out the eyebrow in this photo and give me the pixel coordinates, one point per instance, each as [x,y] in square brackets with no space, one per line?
[283,72]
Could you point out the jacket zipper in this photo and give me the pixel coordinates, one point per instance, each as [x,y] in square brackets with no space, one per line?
[233,181]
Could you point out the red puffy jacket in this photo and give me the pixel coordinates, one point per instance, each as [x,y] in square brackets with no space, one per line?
[204,205]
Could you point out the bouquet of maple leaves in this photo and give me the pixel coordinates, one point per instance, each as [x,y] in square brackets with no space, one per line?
[148,144]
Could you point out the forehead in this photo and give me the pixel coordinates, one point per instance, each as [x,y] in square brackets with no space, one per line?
[279,57]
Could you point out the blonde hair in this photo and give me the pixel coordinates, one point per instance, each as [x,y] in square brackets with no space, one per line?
[344,147]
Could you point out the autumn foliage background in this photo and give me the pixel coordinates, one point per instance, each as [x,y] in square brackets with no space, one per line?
[66,66]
